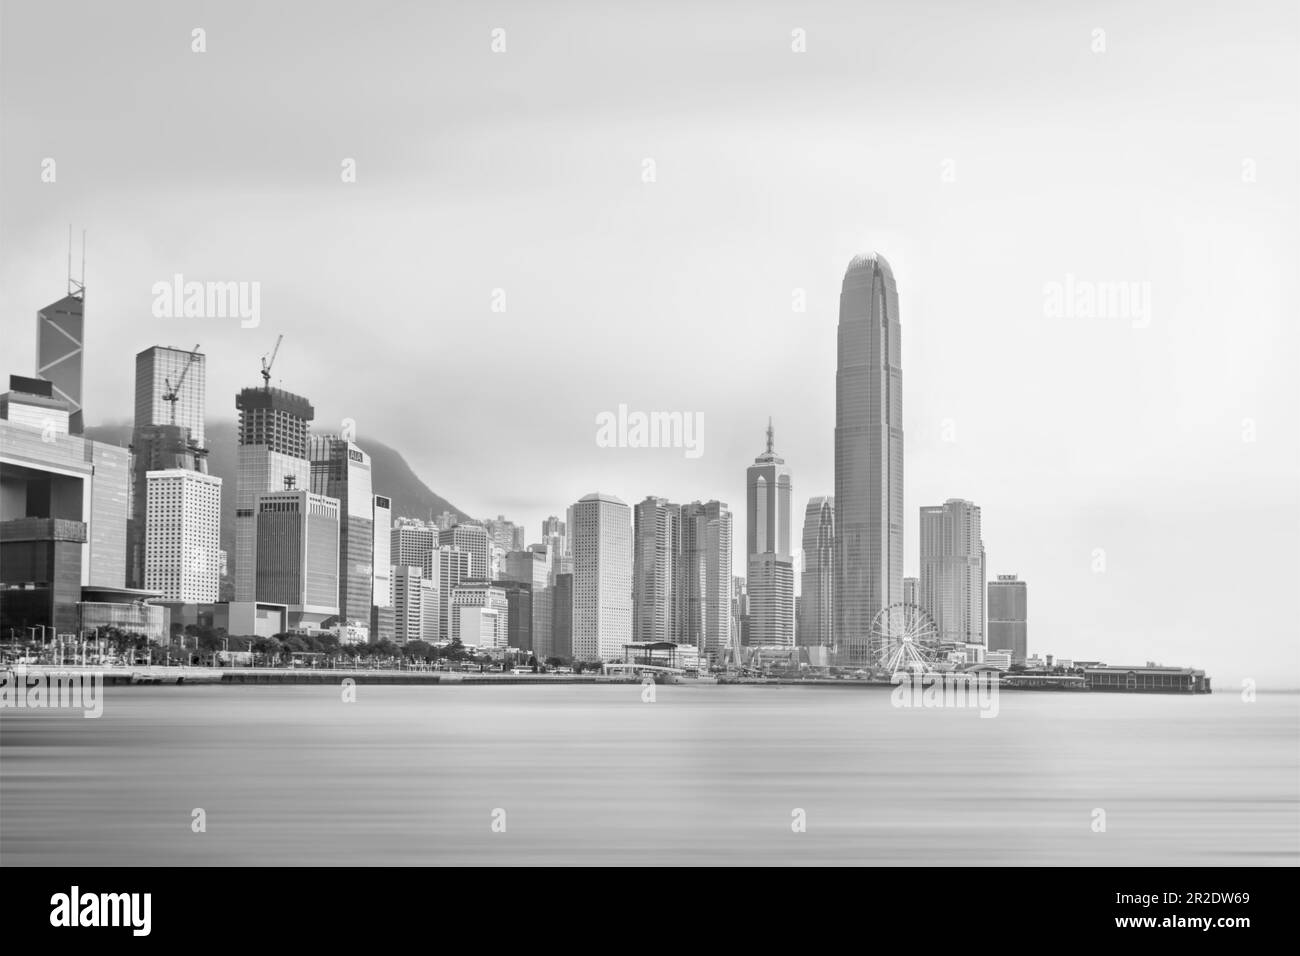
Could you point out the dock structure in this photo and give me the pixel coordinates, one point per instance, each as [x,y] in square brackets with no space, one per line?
[1147,679]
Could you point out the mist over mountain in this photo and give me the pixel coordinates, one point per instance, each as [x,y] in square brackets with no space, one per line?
[391,476]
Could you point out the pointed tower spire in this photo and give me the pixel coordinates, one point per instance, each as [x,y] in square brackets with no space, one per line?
[769,434]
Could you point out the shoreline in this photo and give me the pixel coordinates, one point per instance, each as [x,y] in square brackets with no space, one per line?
[159,675]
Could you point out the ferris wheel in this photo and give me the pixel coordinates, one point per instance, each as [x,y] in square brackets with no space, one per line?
[904,638]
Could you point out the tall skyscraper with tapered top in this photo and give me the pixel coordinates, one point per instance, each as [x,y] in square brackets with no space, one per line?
[868,561]
[60,340]
[770,563]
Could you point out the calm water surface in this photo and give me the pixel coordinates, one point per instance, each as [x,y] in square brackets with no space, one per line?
[413,775]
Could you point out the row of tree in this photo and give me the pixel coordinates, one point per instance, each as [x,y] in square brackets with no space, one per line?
[197,644]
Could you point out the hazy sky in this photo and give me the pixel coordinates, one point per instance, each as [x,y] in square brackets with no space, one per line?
[985,149]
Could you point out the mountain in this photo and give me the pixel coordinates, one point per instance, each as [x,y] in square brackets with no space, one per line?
[391,476]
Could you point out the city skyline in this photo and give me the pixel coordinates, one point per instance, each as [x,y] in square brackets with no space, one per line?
[1100,428]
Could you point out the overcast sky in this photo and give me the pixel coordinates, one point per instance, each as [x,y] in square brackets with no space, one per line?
[985,150]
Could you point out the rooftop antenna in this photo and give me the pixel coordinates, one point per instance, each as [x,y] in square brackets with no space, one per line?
[769,434]
[74,287]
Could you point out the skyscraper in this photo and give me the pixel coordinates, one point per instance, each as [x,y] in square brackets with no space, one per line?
[705,580]
[952,571]
[474,540]
[171,389]
[415,605]
[298,554]
[341,470]
[480,615]
[770,564]
[412,540]
[182,554]
[601,526]
[555,536]
[912,591]
[740,610]
[1009,617]
[381,589]
[507,534]
[272,457]
[448,567]
[562,616]
[868,561]
[60,344]
[656,568]
[817,584]
[63,512]
[532,567]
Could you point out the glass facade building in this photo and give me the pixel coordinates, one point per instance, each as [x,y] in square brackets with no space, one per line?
[868,560]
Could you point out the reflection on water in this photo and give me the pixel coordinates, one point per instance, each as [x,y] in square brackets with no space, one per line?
[591,774]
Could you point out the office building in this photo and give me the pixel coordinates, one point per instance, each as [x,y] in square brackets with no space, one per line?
[601,526]
[48,472]
[341,470]
[382,619]
[740,610]
[912,591]
[171,389]
[769,572]
[704,586]
[868,560]
[817,583]
[60,352]
[475,541]
[657,608]
[507,535]
[298,554]
[272,457]
[183,535]
[562,617]
[1008,617]
[412,541]
[448,567]
[533,568]
[952,572]
[415,605]
[480,616]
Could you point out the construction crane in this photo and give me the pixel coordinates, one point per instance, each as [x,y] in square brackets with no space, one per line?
[172,392]
[267,363]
